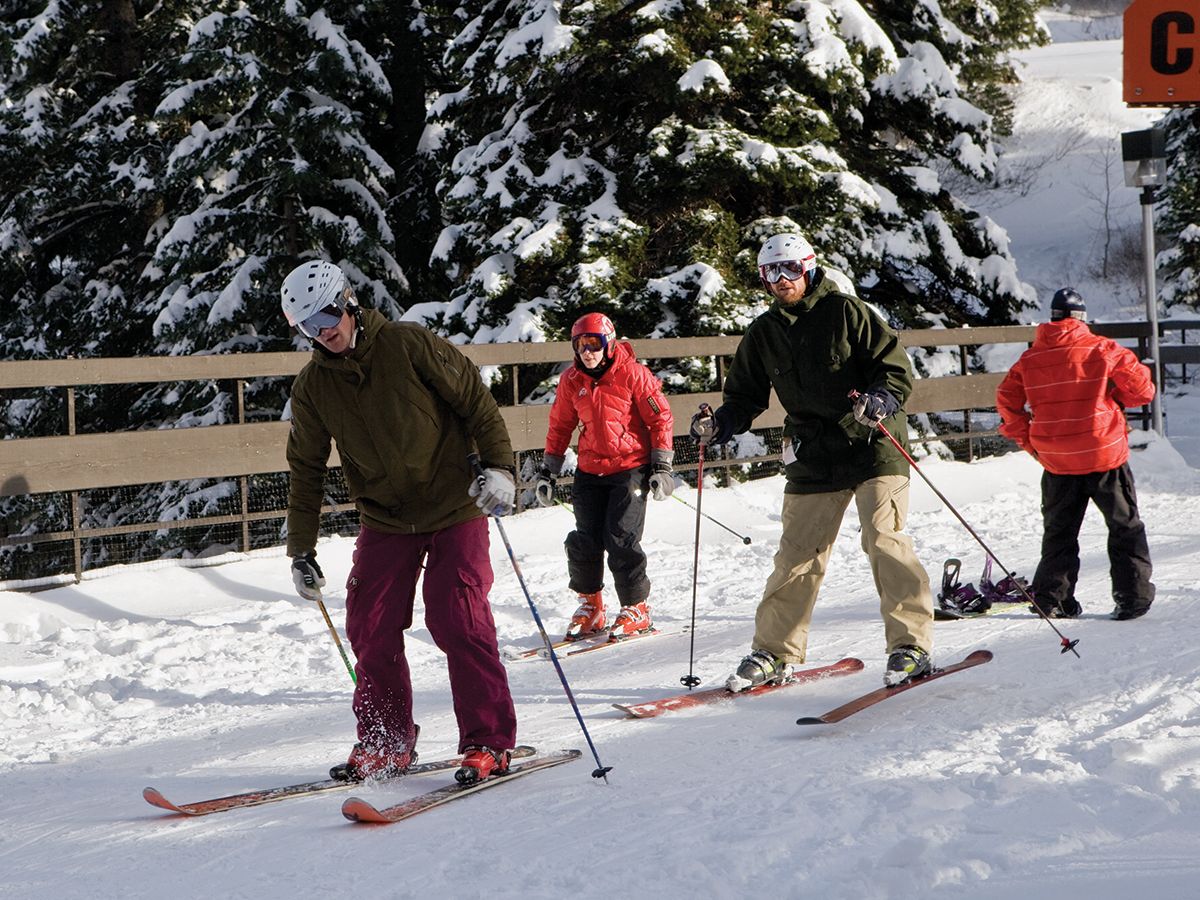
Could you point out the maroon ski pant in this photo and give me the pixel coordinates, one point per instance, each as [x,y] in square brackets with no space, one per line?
[379,607]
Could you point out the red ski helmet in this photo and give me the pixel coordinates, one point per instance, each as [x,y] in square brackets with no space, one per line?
[596,327]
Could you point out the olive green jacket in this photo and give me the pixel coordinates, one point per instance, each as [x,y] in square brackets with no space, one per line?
[405,408]
[813,355]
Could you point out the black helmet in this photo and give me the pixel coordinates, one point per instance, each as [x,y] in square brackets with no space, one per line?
[1067,302]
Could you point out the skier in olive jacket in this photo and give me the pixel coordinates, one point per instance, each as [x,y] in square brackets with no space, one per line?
[814,346]
[1063,402]
[405,408]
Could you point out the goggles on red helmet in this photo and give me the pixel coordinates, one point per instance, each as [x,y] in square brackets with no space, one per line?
[791,269]
[589,342]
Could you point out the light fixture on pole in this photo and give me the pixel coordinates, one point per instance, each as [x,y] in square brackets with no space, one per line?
[1145,157]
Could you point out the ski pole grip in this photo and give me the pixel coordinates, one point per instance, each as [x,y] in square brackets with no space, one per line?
[476,468]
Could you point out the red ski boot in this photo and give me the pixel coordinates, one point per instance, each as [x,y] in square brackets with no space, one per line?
[588,619]
[631,621]
[372,764]
[479,763]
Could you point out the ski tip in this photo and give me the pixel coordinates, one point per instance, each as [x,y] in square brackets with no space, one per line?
[979,656]
[811,720]
[850,663]
[358,810]
[155,798]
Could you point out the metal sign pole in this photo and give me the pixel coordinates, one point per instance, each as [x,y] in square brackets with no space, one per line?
[1152,303]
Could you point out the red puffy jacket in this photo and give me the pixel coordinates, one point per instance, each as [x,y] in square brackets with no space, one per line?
[624,415]
[1063,400]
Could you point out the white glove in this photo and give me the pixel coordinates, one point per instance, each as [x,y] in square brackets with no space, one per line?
[662,479]
[662,485]
[494,492]
[307,576]
[543,488]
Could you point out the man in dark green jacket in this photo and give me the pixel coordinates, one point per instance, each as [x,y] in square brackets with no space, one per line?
[405,408]
[814,346]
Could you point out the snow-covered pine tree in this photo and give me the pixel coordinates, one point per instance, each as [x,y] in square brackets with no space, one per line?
[629,156]
[1179,226]
[164,167]
[268,165]
[78,153]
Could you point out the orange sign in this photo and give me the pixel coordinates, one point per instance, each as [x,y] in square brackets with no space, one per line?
[1162,53]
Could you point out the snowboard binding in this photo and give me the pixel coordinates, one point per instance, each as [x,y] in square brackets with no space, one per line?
[966,599]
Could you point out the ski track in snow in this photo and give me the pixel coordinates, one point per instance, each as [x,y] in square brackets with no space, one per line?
[1036,775]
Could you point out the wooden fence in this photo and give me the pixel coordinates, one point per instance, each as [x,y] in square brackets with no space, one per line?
[76,462]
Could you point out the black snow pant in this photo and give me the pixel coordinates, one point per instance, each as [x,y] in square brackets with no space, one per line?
[610,513]
[1064,502]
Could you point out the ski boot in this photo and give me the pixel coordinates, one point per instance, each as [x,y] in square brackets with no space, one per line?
[588,618]
[631,621]
[479,763]
[370,763]
[760,667]
[1067,609]
[906,664]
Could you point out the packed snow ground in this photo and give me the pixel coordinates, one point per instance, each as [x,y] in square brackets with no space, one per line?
[1038,775]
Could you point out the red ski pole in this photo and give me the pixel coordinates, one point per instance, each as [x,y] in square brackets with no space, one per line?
[1066,644]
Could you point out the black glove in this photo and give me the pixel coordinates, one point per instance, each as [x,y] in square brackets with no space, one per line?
[307,576]
[873,406]
[712,427]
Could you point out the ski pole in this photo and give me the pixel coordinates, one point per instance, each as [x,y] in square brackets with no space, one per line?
[744,538]
[1067,645]
[690,680]
[337,640]
[601,770]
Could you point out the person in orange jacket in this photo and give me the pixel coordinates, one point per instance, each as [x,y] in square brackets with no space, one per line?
[625,452]
[1063,402]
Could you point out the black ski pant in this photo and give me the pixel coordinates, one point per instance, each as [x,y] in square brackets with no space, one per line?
[610,514]
[1064,502]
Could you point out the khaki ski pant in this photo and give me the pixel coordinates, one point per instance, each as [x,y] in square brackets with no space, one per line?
[810,526]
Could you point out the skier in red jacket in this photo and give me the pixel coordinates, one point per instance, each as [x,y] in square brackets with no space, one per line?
[1063,402]
[625,451]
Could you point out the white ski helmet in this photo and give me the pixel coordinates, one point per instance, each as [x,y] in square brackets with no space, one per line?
[310,290]
[785,247]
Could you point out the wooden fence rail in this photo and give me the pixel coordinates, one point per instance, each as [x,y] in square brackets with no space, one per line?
[76,462]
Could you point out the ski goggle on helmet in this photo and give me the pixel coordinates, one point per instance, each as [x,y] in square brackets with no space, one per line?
[786,255]
[315,295]
[594,333]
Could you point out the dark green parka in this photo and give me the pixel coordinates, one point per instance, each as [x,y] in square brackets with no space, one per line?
[405,408]
[813,354]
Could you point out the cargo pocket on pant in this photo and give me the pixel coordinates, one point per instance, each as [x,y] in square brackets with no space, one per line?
[471,595]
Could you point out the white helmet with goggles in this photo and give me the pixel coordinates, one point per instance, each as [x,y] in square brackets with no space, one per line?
[785,255]
[314,295]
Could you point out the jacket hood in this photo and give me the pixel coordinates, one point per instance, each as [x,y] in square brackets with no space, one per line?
[358,359]
[819,287]
[1064,331]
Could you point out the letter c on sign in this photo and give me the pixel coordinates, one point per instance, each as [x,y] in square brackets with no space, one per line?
[1160,51]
